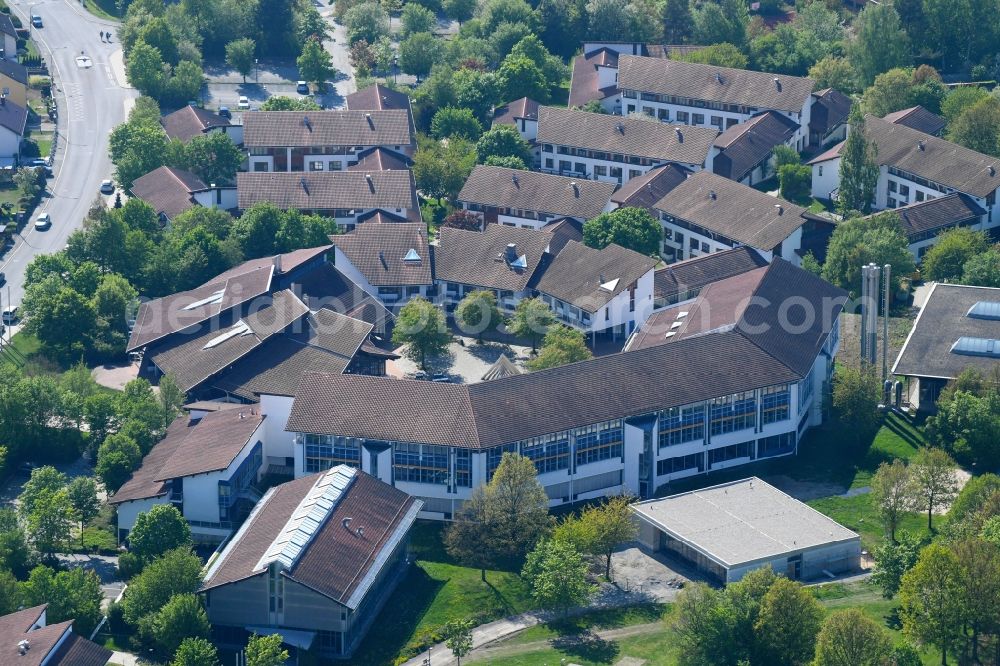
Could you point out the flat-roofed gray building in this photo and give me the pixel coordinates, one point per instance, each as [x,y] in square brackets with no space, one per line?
[733,528]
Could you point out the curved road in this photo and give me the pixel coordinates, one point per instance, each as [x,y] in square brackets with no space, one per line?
[92,98]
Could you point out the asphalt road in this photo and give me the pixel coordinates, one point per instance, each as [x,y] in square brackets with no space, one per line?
[91,101]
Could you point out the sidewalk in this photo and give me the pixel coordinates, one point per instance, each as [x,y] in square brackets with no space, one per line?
[609,597]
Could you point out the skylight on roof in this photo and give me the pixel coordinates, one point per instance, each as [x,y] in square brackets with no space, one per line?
[239,328]
[520,262]
[682,314]
[411,255]
[216,297]
[985,310]
[987,347]
[676,324]
[610,285]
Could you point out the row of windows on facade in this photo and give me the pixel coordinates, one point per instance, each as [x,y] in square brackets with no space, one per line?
[684,118]
[733,413]
[281,151]
[689,101]
[241,480]
[513,212]
[428,463]
[599,155]
[600,171]
[765,447]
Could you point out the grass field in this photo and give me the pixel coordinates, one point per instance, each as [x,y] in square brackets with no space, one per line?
[105,9]
[435,591]
[577,643]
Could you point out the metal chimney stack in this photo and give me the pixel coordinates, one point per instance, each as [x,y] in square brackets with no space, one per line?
[869,312]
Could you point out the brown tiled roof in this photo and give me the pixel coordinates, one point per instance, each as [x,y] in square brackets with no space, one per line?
[479,258]
[78,651]
[380,159]
[629,136]
[714,84]
[168,190]
[501,187]
[212,443]
[576,274]
[377,97]
[608,387]
[513,111]
[693,274]
[14,70]
[751,304]
[389,127]
[830,108]
[941,322]
[191,360]
[377,251]
[738,212]
[44,642]
[645,190]
[563,230]
[337,561]
[918,118]
[324,190]
[929,157]
[327,287]
[288,262]
[171,314]
[261,528]
[188,122]
[745,145]
[943,211]
[143,484]
[13,116]
[584,79]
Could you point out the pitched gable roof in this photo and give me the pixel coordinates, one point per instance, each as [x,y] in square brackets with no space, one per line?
[629,136]
[745,145]
[389,127]
[733,210]
[685,278]
[589,278]
[918,118]
[830,109]
[14,70]
[501,187]
[645,190]
[377,97]
[951,209]
[52,645]
[13,116]
[188,122]
[584,79]
[327,553]
[507,114]
[377,252]
[480,258]
[168,190]
[211,443]
[714,84]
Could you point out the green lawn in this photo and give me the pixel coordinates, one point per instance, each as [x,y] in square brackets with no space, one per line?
[435,591]
[858,514]
[105,9]
[658,647]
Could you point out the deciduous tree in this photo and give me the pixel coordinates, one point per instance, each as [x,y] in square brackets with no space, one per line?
[787,624]
[117,456]
[858,166]
[561,345]
[239,55]
[934,482]
[316,64]
[176,572]
[157,531]
[503,141]
[880,42]
[477,313]
[458,638]
[74,594]
[532,319]
[632,228]
[892,494]
[931,599]
[265,651]
[892,561]
[82,493]
[557,575]
[611,524]
[850,638]
[856,394]
[945,260]
[451,121]
[421,326]
[195,652]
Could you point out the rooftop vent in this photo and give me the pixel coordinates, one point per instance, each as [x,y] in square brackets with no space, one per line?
[920,144]
[361,531]
[371,123]
[23,646]
[712,195]
[307,123]
[214,299]
[992,169]
[985,310]
[779,208]
[576,188]
[381,258]
[240,328]
[680,135]
[621,128]
[987,347]
[513,179]
[305,185]
[777,83]
[718,77]
[346,523]
[371,183]
[411,255]
[511,252]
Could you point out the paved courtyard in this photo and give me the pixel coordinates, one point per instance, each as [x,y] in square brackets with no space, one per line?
[465,362]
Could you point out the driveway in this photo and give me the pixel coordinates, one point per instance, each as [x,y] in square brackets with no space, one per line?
[89,86]
[339,51]
[106,568]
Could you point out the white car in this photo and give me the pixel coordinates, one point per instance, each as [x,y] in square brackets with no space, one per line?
[43,221]
[107,187]
[244,103]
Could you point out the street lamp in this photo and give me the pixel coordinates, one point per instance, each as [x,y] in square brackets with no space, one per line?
[395,67]
[255,79]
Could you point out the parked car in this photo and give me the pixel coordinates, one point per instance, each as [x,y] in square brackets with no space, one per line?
[107,187]
[244,103]
[224,112]
[36,20]
[10,314]
[43,221]
[302,88]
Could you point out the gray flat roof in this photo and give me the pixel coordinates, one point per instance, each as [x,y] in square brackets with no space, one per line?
[742,522]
